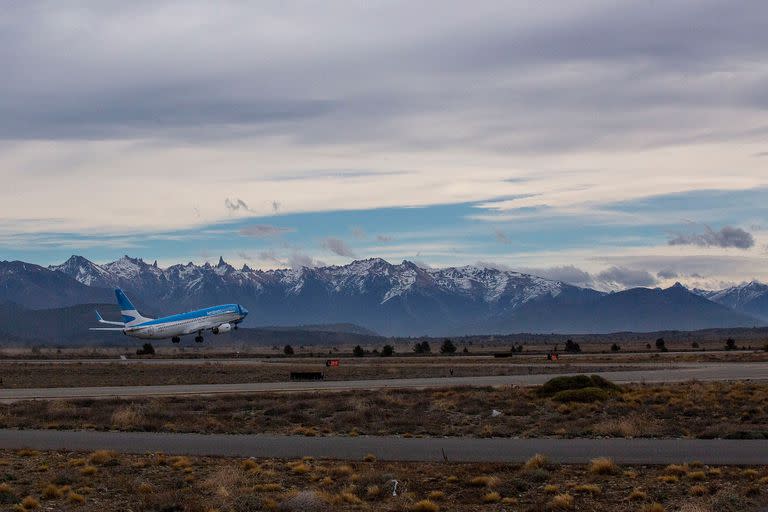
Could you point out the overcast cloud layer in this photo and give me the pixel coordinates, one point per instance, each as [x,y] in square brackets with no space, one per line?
[123,123]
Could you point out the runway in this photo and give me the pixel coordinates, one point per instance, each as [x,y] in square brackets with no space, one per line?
[574,451]
[663,373]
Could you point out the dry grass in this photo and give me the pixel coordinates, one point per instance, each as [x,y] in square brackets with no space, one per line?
[52,491]
[538,461]
[30,503]
[675,410]
[562,502]
[697,490]
[88,470]
[425,506]
[151,483]
[75,498]
[603,466]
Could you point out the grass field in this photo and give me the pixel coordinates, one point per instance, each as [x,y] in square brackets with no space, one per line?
[104,481]
[46,374]
[686,410]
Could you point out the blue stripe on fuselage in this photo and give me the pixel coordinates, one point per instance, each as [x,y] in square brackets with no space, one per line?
[199,313]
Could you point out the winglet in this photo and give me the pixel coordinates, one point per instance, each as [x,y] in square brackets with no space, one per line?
[98,316]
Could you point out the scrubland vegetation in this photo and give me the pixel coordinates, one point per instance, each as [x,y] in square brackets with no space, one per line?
[601,409]
[32,480]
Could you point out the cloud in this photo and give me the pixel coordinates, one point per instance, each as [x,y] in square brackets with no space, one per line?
[298,260]
[236,205]
[276,207]
[667,274]
[358,233]
[626,278]
[263,230]
[727,236]
[384,238]
[566,273]
[501,237]
[337,246]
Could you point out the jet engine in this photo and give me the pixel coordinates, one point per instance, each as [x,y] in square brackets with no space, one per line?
[222,328]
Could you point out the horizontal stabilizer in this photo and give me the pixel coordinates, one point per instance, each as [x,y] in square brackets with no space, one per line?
[106,329]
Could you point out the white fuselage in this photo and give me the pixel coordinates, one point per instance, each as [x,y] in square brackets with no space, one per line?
[187,323]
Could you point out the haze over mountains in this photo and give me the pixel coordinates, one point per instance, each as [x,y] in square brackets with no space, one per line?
[398,300]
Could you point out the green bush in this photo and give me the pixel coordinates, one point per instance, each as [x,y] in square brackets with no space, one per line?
[585,395]
[558,384]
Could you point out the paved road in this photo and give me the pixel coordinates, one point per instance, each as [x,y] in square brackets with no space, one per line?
[703,371]
[623,451]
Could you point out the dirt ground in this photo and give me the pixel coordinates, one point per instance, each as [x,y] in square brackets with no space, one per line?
[76,374]
[104,481]
[683,410]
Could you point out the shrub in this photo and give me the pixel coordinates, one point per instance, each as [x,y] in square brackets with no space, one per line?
[558,384]
[588,489]
[483,481]
[436,495]
[101,457]
[538,461]
[584,395]
[492,497]
[387,351]
[88,470]
[697,475]
[288,350]
[603,466]
[561,502]
[676,469]
[425,506]
[697,490]
[358,351]
[73,497]
[29,503]
[6,494]
[146,349]
[128,417]
[51,491]
[637,495]
[369,458]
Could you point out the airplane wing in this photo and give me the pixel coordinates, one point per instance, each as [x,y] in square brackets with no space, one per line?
[105,328]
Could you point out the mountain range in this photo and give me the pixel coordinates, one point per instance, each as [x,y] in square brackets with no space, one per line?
[391,299]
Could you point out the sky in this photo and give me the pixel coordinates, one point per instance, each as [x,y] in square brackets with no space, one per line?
[605,145]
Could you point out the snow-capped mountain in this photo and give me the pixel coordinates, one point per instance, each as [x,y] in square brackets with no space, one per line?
[391,299]
[750,298]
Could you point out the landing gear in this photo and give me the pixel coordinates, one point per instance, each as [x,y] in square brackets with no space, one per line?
[199,338]
[175,339]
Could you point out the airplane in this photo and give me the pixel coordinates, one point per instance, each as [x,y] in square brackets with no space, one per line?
[217,319]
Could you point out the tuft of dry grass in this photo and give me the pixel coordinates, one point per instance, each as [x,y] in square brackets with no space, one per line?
[668,479]
[637,495]
[538,461]
[73,497]
[697,490]
[425,506]
[369,458]
[676,469]
[551,488]
[436,495]
[483,481]
[30,503]
[128,417]
[653,507]
[350,497]
[697,476]
[342,470]
[88,470]
[603,466]
[51,492]
[750,474]
[562,502]
[101,457]
[491,497]
[588,489]
[300,468]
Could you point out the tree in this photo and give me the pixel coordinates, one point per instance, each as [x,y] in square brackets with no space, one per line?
[466,350]
[387,350]
[146,349]
[615,348]
[447,347]
[572,346]
[358,351]
[661,345]
[695,344]
[422,348]
[648,346]
[730,344]
[288,350]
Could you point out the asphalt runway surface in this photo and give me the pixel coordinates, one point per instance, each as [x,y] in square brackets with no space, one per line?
[663,373]
[574,451]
